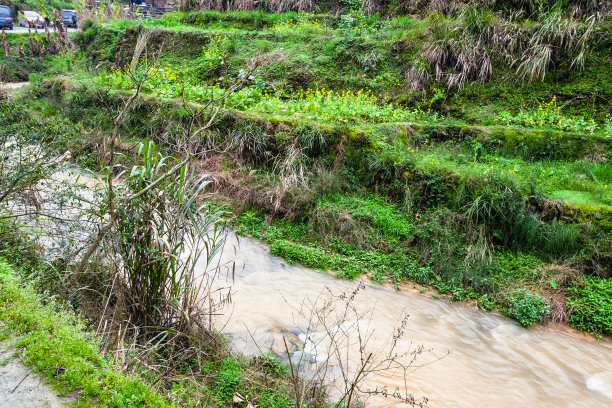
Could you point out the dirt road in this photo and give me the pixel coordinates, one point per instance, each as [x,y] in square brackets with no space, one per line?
[17,29]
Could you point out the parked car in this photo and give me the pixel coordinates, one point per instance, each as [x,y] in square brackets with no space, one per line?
[6,17]
[66,16]
[32,19]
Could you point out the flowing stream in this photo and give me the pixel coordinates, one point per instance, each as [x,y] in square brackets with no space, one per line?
[477,359]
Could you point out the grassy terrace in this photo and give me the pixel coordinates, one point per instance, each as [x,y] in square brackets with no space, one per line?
[367,53]
[329,81]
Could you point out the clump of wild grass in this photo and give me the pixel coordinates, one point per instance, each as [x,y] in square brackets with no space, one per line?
[463,50]
[163,236]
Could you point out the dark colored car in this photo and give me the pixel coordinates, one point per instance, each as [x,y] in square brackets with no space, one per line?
[6,17]
[66,16]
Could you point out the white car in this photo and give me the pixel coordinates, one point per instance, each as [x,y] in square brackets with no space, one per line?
[31,19]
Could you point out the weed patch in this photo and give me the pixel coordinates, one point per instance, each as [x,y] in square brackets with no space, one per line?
[590,302]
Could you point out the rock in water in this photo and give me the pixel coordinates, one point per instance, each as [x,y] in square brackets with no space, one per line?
[279,337]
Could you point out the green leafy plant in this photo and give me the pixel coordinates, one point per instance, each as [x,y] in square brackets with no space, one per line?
[485,303]
[526,307]
[229,379]
[590,302]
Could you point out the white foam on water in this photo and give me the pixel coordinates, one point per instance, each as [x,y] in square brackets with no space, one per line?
[601,382]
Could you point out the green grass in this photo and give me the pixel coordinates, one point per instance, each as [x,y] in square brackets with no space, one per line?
[50,337]
[387,221]
[576,182]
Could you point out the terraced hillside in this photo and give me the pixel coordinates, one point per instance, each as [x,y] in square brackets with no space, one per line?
[468,150]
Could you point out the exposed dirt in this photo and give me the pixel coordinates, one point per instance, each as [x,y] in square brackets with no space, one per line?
[20,387]
[9,88]
[14,85]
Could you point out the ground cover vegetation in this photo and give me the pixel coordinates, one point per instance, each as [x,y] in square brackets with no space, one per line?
[54,339]
[463,147]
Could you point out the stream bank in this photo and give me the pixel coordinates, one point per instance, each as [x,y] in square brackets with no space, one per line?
[490,362]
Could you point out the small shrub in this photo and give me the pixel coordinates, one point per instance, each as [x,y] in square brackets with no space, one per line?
[485,303]
[591,305]
[527,308]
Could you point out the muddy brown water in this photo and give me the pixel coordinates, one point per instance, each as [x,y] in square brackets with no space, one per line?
[491,362]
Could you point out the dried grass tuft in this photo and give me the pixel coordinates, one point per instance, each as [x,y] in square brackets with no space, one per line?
[556,297]
[461,50]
